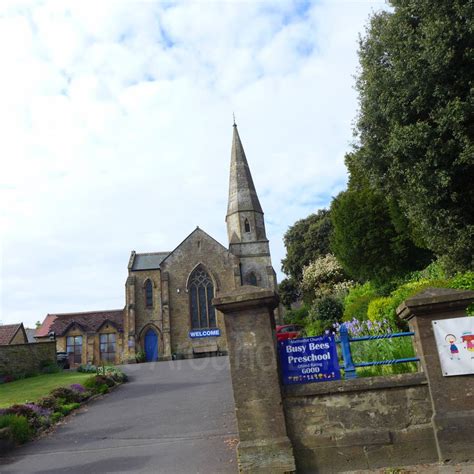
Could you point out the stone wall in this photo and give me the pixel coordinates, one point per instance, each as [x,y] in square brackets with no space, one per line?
[23,358]
[360,424]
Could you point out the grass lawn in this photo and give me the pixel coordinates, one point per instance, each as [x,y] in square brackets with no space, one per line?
[33,388]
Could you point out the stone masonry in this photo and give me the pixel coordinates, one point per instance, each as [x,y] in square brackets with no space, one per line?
[25,358]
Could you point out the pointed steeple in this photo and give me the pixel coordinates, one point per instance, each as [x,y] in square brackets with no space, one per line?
[246,224]
[242,193]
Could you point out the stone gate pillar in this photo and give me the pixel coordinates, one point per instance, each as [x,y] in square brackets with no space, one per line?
[452,397]
[264,446]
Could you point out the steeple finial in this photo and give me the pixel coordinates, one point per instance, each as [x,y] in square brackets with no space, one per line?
[233,116]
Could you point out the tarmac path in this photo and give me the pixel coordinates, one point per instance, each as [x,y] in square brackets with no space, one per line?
[171,417]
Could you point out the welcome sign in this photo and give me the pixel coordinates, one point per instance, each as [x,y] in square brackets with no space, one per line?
[204,333]
[309,359]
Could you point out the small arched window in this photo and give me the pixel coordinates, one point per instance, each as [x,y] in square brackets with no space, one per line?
[201,292]
[149,294]
[251,279]
[247,225]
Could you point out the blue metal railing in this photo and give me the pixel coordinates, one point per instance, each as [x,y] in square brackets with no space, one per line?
[349,365]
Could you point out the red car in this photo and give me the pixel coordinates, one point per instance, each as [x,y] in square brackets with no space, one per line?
[288,331]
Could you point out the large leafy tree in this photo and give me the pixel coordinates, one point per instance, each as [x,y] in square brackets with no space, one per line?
[305,241]
[365,238]
[416,125]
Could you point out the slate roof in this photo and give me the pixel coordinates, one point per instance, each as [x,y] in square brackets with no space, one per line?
[7,332]
[148,261]
[30,334]
[90,321]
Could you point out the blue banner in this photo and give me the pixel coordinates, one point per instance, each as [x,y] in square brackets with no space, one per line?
[309,359]
[215,332]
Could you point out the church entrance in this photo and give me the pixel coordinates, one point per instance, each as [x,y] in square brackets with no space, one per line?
[151,346]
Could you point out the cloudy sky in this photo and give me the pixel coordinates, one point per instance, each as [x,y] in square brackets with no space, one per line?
[116,122]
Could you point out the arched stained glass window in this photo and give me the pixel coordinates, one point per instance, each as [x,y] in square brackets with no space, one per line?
[247,225]
[201,292]
[149,294]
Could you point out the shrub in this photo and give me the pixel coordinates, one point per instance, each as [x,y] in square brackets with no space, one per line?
[386,308]
[463,281]
[67,394]
[381,309]
[324,313]
[320,277]
[68,408]
[19,427]
[140,357]
[49,367]
[49,402]
[296,316]
[327,309]
[36,415]
[87,368]
[56,416]
[119,377]
[357,301]
[97,382]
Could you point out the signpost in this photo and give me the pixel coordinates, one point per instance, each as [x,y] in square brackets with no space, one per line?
[309,359]
[204,333]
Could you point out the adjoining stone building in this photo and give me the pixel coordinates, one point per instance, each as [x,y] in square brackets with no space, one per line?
[168,310]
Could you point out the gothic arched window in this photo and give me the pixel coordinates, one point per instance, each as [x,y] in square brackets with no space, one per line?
[149,294]
[251,279]
[201,292]
[247,225]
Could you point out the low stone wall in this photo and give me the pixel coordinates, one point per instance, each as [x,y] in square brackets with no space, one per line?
[25,358]
[360,424]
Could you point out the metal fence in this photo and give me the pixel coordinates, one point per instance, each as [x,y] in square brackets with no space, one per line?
[350,366]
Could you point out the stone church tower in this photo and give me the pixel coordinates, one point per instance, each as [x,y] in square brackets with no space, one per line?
[245,223]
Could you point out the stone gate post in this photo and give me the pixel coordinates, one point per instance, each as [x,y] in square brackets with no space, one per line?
[264,446]
[452,397]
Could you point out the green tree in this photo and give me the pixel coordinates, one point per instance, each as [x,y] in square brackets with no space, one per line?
[365,240]
[289,291]
[416,124]
[305,241]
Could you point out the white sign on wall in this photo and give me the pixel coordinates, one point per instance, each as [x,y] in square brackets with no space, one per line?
[455,342]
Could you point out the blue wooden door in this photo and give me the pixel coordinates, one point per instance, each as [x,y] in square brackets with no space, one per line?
[151,345]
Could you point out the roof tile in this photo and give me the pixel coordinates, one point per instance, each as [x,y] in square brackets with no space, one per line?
[7,332]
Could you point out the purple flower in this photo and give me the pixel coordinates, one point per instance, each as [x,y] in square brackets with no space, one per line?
[39,411]
[77,387]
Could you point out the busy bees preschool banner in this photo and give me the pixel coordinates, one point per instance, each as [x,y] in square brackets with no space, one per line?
[309,359]
[455,341]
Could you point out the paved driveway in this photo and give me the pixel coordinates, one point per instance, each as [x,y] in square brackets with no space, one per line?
[172,417]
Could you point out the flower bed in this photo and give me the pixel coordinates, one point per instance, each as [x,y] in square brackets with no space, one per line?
[22,422]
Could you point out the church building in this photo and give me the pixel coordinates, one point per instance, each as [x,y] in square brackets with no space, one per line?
[168,295]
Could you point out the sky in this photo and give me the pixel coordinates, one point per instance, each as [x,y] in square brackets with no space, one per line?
[116,120]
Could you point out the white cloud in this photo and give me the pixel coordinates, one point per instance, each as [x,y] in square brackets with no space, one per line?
[116,130]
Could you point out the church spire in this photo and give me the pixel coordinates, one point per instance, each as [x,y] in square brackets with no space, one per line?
[242,193]
[245,222]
